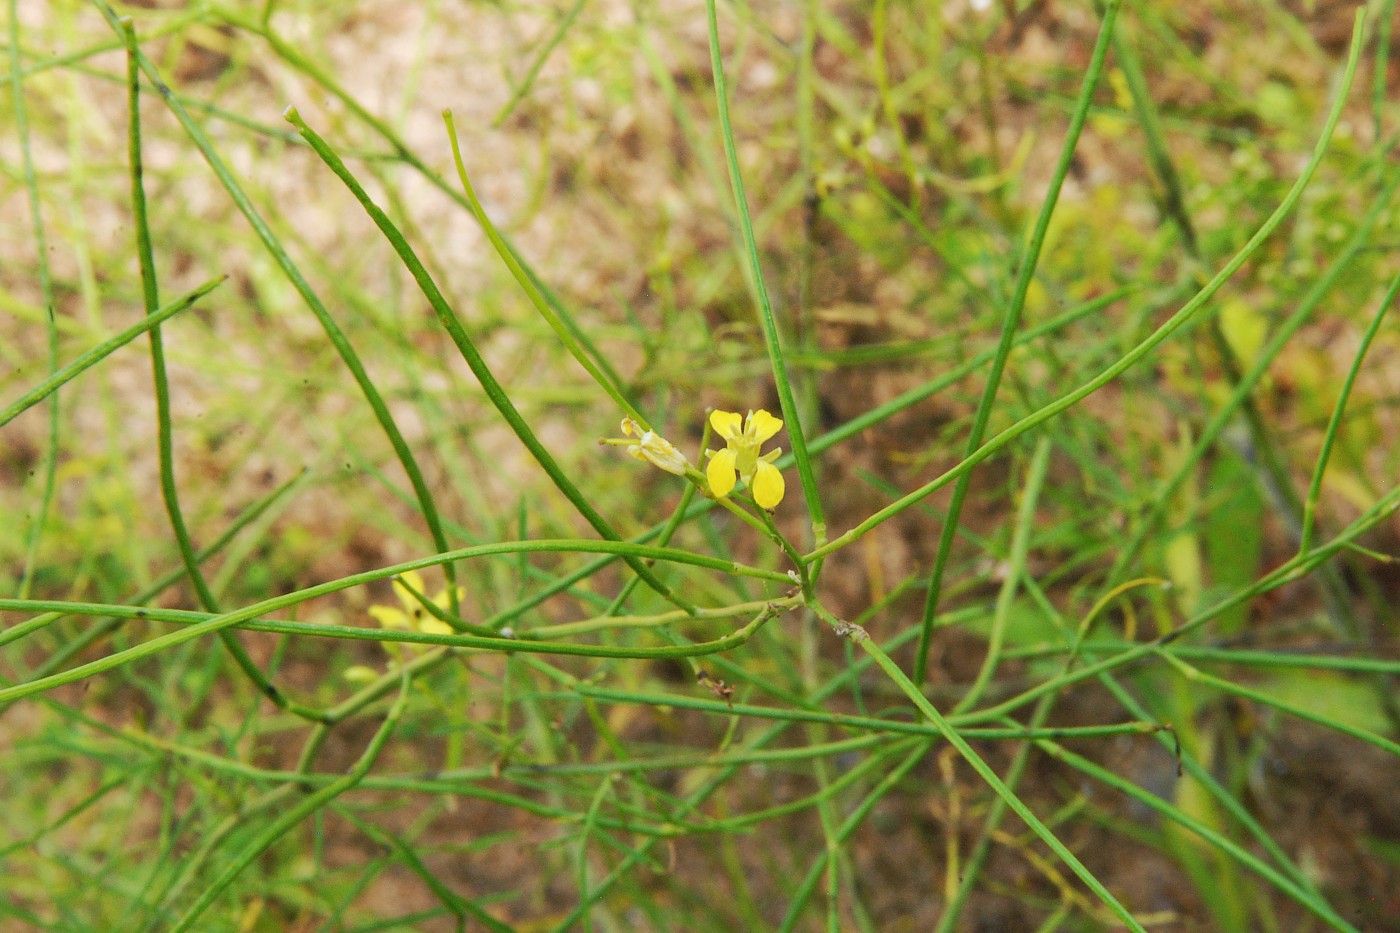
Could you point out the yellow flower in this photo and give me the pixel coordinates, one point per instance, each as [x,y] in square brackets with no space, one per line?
[740,457]
[653,448]
[412,617]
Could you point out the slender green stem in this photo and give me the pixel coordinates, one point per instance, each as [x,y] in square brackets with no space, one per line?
[1173,203]
[786,400]
[608,622]
[524,279]
[1334,423]
[800,569]
[509,644]
[1198,676]
[254,611]
[106,348]
[1380,74]
[850,721]
[1010,324]
[1232,656]
[954,738]
[165,434]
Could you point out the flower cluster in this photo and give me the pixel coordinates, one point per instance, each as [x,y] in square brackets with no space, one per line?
[739,460]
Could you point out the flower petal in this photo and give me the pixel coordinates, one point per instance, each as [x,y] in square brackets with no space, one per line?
[444,599]
[434,626]
[761,426]
[389,617]
[727,424]
[414,579]
[768,485]
[720,472]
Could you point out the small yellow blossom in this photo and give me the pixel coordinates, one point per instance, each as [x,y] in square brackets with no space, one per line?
[412,617]
[652,447]
[740,457]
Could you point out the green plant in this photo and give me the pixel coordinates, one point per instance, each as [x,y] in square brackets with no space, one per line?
[665,691]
